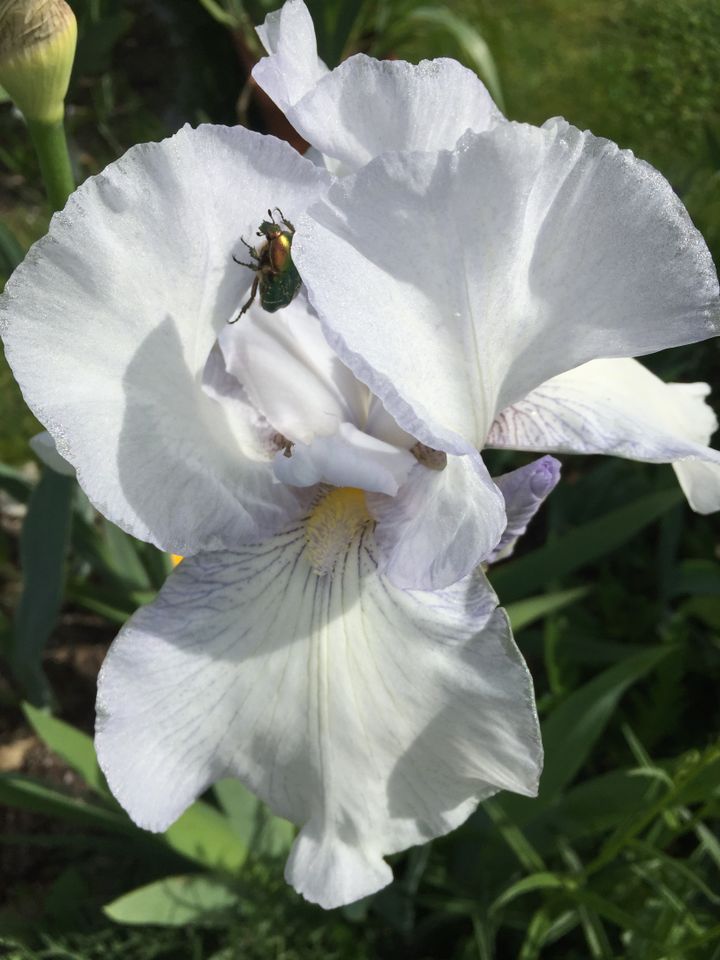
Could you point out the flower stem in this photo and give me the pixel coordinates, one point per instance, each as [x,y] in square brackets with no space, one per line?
[51,147]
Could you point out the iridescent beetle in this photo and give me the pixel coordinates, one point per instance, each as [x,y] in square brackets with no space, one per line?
[276,275]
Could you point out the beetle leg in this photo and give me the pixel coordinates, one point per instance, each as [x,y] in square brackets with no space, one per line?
[253,251]
[284,220]
[240,263]
[251,299]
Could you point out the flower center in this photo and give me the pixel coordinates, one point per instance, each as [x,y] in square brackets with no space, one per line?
[333,524]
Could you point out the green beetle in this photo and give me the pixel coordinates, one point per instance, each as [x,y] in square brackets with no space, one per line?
[276,275]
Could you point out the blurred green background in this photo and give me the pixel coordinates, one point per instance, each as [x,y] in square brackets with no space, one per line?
[615,594]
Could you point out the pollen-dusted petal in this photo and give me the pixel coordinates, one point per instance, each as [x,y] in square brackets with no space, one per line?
[374,718]
[454,283]
[441,524]
[333,524]
[619,407]
[109,322]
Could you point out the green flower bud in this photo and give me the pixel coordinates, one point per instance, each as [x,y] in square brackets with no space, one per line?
[37,47]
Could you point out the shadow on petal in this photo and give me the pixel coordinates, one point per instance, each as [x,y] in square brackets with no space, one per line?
[181,468]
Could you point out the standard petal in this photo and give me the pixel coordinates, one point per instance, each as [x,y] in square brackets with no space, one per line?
[373,717]
[367,107]
[524,490]
[109,322]
[440,526]
[293,67]
[619,407]
[455,283]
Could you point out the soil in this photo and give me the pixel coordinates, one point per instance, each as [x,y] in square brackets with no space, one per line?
[72,661]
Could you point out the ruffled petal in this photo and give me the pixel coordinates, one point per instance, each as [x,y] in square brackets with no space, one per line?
[440,526]
[366,107]
[619,407]
[455,283]
[375,718]
[109,322]
[524,490]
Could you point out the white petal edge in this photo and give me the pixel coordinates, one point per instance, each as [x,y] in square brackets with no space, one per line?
[43,446]
[109,321]
[293,66]
[455,283]
[373,717]
[619,407]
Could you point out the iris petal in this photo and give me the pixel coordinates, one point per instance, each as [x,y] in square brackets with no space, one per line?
[374,718]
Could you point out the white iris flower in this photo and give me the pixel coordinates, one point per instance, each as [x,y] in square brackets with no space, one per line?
[331,639]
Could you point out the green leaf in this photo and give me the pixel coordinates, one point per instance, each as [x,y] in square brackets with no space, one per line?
[11,253]
[75,747]
[592,807]
[536,881]
[43,548]
[15,483]
[527,855]
[515,579]
[613,913]
[569,735]
[334,25]
[173,902]
[537,932]
[524,612]
[85,597]
[471,43]
[696,576]
[123,557]
[240,807]
[275,836]
[204,835]
[573,728]
[260,831]
[28,794]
